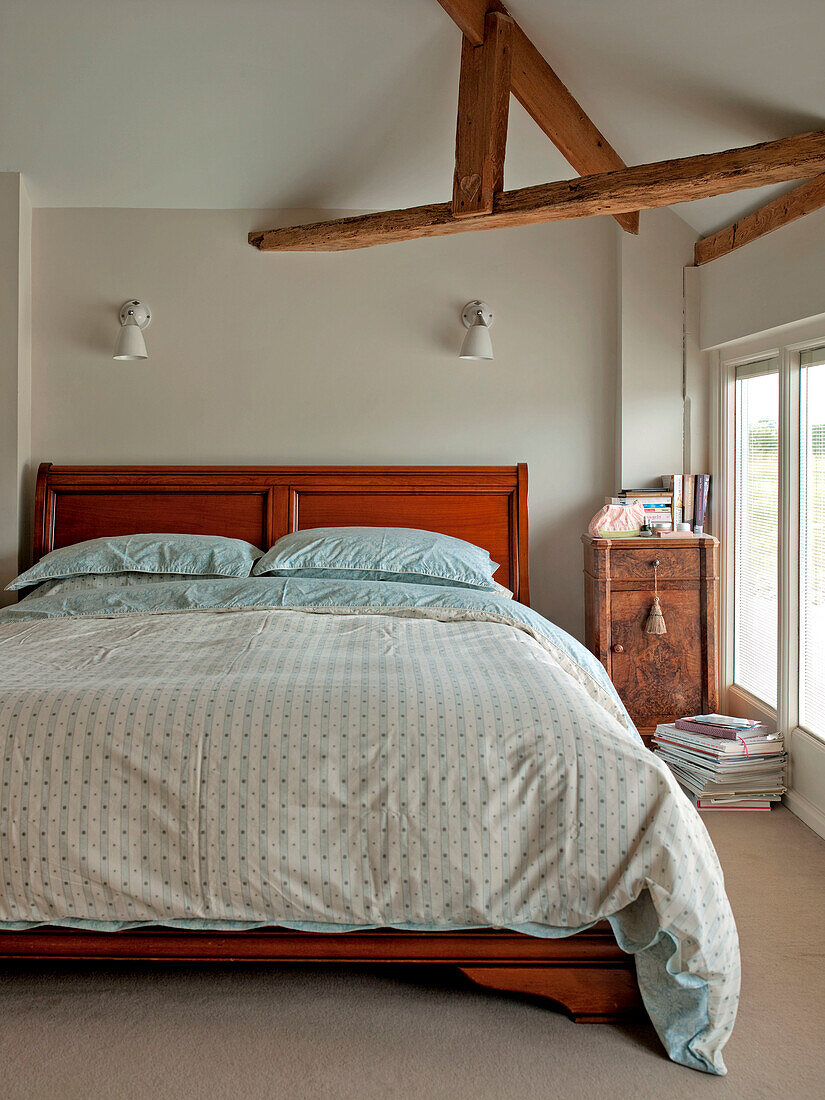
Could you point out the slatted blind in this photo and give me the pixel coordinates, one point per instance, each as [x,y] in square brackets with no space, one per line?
[756,515]
[812,542]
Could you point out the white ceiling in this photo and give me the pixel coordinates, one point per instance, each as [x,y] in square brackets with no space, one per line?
[351,105]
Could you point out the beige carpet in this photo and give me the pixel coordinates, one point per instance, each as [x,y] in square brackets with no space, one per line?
[96,1031]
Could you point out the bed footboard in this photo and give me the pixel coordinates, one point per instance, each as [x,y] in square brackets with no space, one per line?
[587,975]
[587,994]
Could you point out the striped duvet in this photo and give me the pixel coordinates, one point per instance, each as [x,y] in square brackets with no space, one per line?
[327,755]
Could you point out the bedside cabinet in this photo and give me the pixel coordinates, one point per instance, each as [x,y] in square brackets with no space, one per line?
[660,677]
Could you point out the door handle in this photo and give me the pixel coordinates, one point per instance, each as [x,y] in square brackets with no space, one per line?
[618,648]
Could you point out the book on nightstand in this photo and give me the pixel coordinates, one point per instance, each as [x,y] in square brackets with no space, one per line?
[688,496]
[674,483]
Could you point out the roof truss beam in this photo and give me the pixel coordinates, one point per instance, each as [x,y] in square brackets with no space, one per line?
[545,98]
[802,200]
[481,127]
[642,187]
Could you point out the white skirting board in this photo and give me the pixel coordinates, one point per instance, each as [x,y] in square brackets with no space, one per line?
[807,796]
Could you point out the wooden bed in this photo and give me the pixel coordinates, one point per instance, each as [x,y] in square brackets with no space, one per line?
[586,975]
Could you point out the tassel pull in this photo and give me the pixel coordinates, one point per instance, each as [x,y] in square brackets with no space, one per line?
[655,621]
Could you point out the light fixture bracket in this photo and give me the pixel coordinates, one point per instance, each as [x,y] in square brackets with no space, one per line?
[469,315]
[137,310]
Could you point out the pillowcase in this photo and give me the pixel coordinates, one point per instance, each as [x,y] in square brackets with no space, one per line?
[379,554]
[87,581]
[193,555]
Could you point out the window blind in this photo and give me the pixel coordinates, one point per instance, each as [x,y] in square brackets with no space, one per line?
[812,542]
[756,515]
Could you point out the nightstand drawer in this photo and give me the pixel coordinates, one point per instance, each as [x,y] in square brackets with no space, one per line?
[634,563]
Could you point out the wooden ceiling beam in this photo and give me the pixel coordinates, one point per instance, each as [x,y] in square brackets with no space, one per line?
[642,187]
[802,200]
[469,15]
[481,127]
[545,97]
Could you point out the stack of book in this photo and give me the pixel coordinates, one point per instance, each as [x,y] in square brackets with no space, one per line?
[724,763]
[658,505]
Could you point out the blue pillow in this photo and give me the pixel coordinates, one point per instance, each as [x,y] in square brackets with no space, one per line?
[193,555]
[379,554]
[98,581]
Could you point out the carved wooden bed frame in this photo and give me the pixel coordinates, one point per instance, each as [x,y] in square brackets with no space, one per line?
[587,974]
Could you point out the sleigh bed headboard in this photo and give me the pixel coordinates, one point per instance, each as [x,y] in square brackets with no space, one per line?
[486,505]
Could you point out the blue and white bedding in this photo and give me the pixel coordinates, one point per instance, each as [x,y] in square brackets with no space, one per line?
[325,755]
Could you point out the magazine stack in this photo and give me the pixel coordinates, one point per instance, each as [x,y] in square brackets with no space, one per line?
[724,763]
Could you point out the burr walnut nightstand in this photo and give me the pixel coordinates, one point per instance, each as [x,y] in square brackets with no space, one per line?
[660,677]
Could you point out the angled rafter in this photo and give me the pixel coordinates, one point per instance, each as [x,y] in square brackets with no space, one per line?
[481,127]
[787,208]
[642,187]
[539,90]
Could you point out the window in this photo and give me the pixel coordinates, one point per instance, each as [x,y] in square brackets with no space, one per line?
[756,521]
[769,509]
[812,541]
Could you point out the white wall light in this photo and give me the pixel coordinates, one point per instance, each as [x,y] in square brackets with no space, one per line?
[134,317]
[477,318]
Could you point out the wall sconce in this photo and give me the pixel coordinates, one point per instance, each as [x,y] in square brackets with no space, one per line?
[477,318]
[134,317]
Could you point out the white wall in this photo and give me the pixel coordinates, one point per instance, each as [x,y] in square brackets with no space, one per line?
[651,347]
[15,371]
[776,280]
[348,357]
[698,401]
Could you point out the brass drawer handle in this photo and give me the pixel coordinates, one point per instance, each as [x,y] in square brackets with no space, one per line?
[618,648]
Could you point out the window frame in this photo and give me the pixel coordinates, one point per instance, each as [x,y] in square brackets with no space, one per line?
[744,697]
[798,441]
[786,345]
